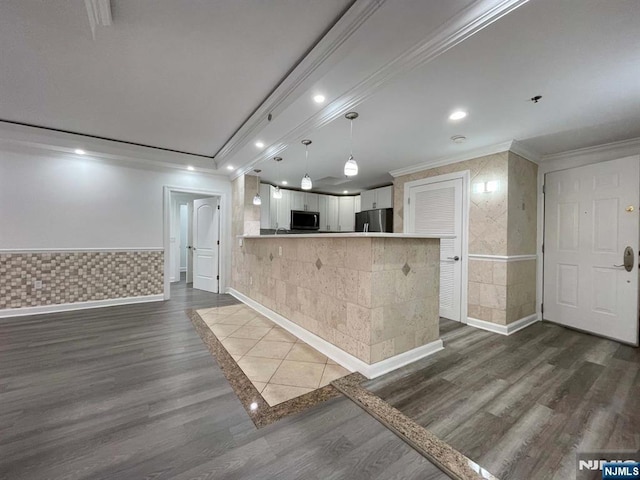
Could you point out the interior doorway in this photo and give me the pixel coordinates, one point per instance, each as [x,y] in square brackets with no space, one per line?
[193,231]
[439,206]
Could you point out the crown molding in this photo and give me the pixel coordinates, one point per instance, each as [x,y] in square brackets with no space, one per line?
[525,152]
[462,26]
[33,139]
[442,161]
[284,94]
[607,151]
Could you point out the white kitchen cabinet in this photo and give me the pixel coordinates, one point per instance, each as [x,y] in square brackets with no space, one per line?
[297,199]
[384,197]
[358,206]
[283,210]
[377,198]
[367,199]
[346,214]
[311,202]
[328,208]
[265,208]
[332,213]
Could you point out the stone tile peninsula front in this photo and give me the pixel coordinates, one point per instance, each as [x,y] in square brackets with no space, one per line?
[373,295]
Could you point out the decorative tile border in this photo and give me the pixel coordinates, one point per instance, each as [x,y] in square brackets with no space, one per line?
[264,414]
[82,276]
[441,454]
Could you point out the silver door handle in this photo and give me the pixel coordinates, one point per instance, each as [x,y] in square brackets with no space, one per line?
[455,259]
[627,258]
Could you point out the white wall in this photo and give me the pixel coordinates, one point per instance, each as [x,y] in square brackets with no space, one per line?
[54,200]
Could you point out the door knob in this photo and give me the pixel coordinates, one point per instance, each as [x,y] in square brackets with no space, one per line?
[627,259]
[455,259]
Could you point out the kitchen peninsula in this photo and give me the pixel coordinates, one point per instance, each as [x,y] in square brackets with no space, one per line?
[368,300]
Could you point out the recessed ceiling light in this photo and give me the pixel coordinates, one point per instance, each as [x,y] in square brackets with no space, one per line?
[284,182]
[79,151]
[259,144]
[189,167]
[458,139]
[253,406]
[345,191]
[229,167]
[457,115]
[318,98]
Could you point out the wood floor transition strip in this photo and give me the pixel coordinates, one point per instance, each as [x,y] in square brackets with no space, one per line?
[445,457]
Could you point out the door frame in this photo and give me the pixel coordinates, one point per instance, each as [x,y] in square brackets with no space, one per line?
[465,175]
[224,233]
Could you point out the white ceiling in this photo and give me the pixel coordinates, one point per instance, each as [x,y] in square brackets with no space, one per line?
[177,75]
[186,78]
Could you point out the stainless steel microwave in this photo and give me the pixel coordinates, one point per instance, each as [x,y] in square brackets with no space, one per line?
[302,220]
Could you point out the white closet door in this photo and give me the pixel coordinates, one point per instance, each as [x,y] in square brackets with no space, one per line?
[436,209]
[591,217]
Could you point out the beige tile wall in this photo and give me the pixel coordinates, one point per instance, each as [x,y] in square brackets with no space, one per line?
[372,297]
[70,277]
[501,223]
[523,206]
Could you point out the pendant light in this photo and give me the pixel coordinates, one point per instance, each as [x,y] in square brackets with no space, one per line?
[351,167]
[277,193]
[306,183]
[256,199]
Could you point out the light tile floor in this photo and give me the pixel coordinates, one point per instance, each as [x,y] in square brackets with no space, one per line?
[279,365]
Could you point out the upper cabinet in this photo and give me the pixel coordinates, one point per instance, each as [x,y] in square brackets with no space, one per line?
[296,199]
[311,202]
[377,198]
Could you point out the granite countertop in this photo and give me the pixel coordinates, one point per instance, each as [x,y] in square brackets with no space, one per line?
[347,235]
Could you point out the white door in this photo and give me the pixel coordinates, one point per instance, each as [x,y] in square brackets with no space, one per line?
[591,217]
[205,244]
[435,208]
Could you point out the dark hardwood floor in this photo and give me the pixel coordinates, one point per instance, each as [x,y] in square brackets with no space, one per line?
[522,406]
[131,392]
[447,326]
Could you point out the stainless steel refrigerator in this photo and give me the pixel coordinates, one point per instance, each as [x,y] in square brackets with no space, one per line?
[379,220]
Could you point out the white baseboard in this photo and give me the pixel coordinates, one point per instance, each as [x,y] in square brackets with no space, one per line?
[335,353]
[66,307]
[510,329]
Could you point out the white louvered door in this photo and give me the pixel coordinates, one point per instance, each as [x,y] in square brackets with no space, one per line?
[436,209]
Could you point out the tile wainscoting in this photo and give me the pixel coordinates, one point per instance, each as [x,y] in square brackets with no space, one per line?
[70,277]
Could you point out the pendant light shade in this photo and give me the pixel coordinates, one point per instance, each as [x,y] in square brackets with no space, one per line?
[306,183]
[277,193]
[256,199]
[351,166]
